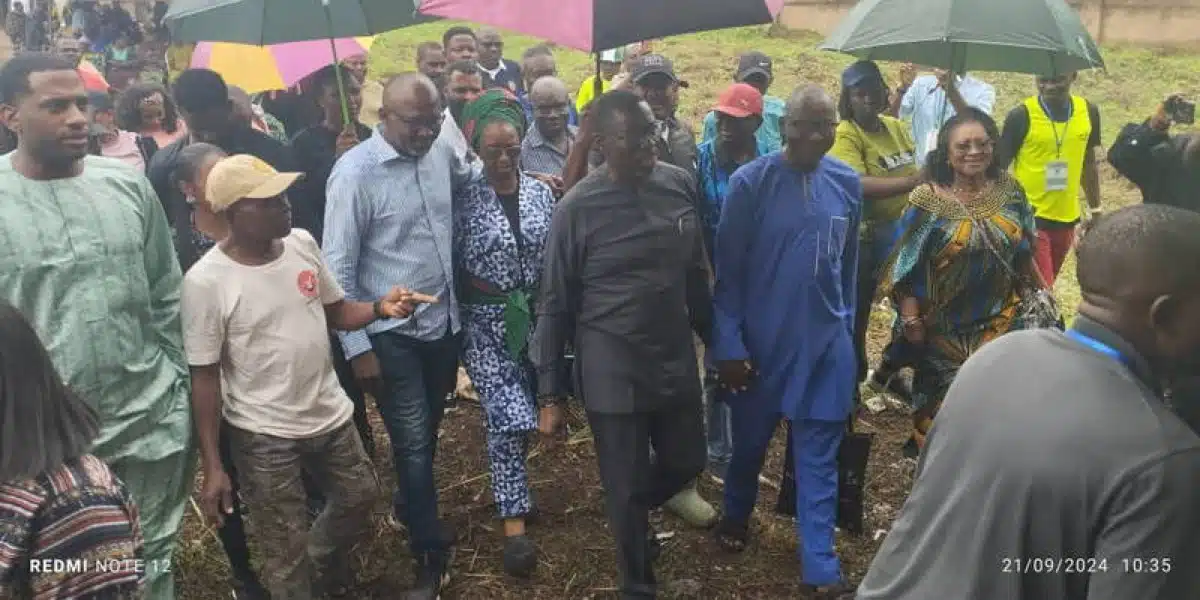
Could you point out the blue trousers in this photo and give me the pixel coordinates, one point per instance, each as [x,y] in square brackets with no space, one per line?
[417,377]
[815,450]
[718,429]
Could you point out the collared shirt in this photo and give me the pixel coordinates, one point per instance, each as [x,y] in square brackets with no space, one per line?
[453,134]
[507,75]
[540,156]
[712,178]
[388,222]
[626,281]
[926,105]
[769,134]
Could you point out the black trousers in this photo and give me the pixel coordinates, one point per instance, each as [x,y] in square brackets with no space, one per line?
[634,484]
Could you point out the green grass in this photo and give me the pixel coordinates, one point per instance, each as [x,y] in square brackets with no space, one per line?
[1136,80]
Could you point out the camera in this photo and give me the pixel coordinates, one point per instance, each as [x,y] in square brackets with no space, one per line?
[1180,110]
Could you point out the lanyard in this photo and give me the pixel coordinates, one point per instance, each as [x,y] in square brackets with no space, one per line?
[1098,346]
[1058,140]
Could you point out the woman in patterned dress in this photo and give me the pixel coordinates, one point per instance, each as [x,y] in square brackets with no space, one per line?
[963,237]
[500,229]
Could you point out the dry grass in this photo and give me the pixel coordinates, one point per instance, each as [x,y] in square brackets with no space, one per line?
[578,557]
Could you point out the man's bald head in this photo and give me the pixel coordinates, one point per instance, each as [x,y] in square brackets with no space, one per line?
[411,113]
[809,97]
[809,126]
[551,107]
[409,86]
[549,88]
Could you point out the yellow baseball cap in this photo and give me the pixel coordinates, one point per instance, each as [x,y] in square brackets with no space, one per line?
[244,176]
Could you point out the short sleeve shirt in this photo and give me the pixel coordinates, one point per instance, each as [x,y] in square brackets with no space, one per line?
[265,325]
[889,152]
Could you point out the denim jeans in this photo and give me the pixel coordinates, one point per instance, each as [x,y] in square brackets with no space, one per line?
[719,429]
[417,377]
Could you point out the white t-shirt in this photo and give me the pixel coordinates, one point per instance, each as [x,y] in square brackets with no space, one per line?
[266,327]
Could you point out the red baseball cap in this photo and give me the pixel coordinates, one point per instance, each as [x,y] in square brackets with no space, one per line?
[740,100]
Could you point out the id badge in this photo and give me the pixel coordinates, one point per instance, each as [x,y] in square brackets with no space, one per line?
[1056,176]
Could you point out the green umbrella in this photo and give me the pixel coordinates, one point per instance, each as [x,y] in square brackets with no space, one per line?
[266,22]
[1042,37]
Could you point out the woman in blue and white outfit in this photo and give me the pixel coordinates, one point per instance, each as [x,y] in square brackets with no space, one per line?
[500,230]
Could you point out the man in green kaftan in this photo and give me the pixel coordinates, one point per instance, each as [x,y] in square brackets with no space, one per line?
[86,255]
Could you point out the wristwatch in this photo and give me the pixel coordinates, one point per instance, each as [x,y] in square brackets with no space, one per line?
[377,309]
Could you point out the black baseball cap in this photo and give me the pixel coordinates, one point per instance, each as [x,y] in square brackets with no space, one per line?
[753,63]
[653,64]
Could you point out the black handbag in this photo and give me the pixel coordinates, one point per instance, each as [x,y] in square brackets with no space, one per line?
[853,456]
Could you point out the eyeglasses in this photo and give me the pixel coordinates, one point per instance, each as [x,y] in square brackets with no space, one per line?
[430,124]
[512,153]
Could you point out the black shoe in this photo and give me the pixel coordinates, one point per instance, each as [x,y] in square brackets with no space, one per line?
[432,573]
[520,556]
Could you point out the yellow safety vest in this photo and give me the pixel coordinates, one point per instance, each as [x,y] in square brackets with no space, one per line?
[1047,142]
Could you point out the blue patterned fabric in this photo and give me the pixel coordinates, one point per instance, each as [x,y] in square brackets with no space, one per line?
[487,250]
[713,180]
[510,478]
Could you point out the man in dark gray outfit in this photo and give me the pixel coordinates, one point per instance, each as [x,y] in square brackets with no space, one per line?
[1055,469]
[626,280]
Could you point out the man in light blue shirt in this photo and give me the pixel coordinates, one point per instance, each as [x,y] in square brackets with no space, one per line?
[754,68]
[929,101]
[388,218]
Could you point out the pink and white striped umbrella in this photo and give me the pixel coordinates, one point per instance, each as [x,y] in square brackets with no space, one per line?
[596,25]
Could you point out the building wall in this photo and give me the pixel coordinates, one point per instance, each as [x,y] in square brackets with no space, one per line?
[1150,22]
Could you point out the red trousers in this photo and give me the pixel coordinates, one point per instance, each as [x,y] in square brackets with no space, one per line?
[1051,251]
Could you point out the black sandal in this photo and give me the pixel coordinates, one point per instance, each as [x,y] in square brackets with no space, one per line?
[731,536]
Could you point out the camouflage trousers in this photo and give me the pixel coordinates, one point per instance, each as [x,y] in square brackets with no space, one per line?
[298,560]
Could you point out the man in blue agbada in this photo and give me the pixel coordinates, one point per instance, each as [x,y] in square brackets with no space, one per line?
[786,253]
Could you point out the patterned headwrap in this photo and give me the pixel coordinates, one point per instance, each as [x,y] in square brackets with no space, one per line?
[494,105]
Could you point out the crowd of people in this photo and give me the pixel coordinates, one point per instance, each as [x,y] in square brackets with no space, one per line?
[185,267]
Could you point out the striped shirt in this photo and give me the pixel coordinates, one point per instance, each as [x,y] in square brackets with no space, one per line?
[540,156]
[79,513]
[388,222]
